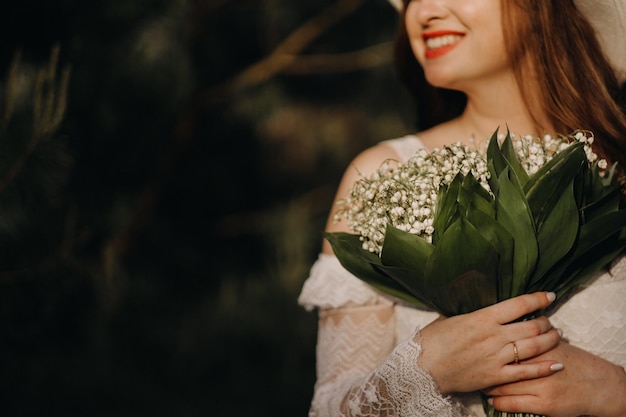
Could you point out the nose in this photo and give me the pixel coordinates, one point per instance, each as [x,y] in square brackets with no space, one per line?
[427,11]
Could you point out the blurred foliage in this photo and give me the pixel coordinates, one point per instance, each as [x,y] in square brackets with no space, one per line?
[153,244]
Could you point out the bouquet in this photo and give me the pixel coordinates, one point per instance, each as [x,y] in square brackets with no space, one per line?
[458,228]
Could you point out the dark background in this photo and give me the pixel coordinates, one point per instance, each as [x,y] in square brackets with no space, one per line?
[152,246]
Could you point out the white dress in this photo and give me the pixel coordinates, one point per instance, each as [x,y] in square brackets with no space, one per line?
[369,368]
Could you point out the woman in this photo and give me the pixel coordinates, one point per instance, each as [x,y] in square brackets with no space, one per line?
[538,67]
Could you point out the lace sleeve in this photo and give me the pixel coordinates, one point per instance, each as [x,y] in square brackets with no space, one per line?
[330,285]
[360,370]
[360,373]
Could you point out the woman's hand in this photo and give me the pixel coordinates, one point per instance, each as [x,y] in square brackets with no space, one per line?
[588,385]
[477,350]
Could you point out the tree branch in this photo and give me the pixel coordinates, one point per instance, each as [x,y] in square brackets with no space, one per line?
[286,53]
[370,57]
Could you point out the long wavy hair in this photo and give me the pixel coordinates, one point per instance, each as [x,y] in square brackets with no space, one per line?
[550,43]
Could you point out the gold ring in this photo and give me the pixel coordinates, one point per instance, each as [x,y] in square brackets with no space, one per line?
[515,354]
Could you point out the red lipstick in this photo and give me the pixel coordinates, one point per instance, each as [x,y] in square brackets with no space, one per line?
[432,53]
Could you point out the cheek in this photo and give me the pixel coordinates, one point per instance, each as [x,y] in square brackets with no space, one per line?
[493,44]
[411,21]
[414,33]
[419,51]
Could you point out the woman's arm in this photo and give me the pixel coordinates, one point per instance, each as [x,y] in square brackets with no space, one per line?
[361,372]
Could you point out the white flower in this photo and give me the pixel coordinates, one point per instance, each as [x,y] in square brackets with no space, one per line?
[404,195]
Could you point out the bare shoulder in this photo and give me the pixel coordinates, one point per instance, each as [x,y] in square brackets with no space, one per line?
[363,165]
[369,160]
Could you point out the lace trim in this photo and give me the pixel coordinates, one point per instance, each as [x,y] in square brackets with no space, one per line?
[330,285]
[398,387]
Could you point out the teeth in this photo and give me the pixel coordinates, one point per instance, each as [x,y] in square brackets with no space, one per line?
[441,41]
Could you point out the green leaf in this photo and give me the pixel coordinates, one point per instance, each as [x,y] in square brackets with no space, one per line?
[558,232]
[497,162]
[601,199]
[508,152]
[467,292]
[413,292]
[405,250]
[545,187]
[503,244]
[590,186]
[596,239]
[461,273]
[599,229]
[447,207]
[501,158]
[514,215]
[579,272]
[472,192]
[362,263]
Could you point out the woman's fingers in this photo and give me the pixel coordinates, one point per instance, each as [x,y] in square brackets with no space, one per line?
[530,339]
[527,371]
[516,388]
[520,376]
[514,308]
[475,350]
[518,404]
[523,349]
[528,328]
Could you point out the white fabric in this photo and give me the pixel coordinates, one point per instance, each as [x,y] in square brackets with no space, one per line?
[329,284]
[595,318]
[370,367]
[360,373]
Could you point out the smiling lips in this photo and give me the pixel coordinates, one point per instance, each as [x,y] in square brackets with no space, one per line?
[441,42]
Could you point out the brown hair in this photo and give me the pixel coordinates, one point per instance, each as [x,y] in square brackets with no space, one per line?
[551,43]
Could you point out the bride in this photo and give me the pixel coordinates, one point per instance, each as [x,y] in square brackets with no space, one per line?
[538,66]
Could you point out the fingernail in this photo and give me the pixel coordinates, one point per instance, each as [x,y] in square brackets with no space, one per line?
[556,367]
[551,296]
[560,331]
[490,401]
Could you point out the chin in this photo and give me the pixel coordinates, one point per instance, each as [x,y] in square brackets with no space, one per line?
[442,81]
